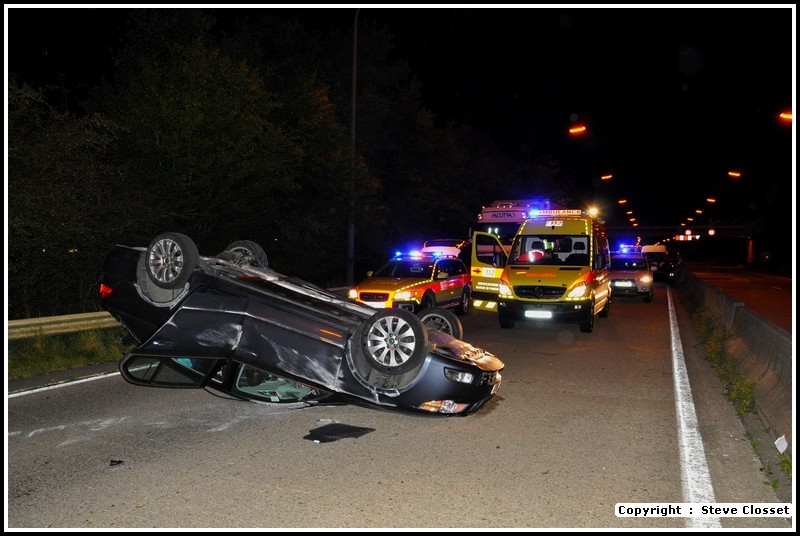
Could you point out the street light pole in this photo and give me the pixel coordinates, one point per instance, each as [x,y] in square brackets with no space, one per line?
[351,226]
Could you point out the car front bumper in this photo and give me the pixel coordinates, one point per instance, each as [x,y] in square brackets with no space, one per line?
[573,311]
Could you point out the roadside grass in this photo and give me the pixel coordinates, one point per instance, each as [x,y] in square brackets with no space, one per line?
[42,354]
[740,390]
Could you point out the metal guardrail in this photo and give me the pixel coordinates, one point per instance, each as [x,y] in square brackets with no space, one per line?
[56,325]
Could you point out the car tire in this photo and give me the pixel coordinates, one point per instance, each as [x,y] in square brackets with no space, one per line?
[428,301]
[170,260]
[392,341]
[649,297]
[443,320]
[248,253]
[464,303]
[157,295]
[506,321]
[587,325]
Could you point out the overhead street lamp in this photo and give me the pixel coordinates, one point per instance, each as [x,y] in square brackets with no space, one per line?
[573,131]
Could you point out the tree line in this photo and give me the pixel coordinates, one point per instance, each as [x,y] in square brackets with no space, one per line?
[242,134]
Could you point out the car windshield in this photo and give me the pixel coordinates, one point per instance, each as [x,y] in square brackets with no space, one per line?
[551,249]
[628,264]
[406,268]
[660,257]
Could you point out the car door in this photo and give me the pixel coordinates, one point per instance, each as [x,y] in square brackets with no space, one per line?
[489,259]
[443,283]
[452,286]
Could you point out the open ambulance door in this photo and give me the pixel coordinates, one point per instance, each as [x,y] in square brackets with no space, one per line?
[489,259]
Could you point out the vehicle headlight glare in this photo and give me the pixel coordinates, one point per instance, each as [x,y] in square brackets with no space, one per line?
[458,376]
[443,406]
[352,294]
[504,289]
[579,290]
[404,295]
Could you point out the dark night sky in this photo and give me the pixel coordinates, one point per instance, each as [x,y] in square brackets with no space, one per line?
[674,97]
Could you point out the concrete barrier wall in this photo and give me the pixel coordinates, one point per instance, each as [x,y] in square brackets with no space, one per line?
[764,354]
[762,350]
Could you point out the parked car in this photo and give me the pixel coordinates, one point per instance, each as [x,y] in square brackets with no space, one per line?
[432,277]
[664,264]
[631,276]
[232,324]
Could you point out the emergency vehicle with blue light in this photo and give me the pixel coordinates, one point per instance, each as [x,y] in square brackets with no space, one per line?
[557,270]
[501,219]
[434,276]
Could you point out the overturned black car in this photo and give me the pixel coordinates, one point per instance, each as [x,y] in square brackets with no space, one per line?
[232,324]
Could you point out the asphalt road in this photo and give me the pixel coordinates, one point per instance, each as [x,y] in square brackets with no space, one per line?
[581,422]
[770,296]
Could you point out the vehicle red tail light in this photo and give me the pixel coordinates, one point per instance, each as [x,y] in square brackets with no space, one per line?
[105,290]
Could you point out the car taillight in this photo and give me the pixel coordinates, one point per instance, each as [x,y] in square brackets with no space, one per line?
[105,290]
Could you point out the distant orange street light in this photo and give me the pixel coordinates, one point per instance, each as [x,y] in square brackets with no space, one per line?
[622,201]
[710,200]
[606,177]
[787,116]
[734,174]
[576,130]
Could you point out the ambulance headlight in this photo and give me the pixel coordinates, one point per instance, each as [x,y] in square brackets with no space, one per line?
[581,290]
[503,289]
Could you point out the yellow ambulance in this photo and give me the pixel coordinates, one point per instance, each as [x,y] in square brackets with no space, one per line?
[556,271]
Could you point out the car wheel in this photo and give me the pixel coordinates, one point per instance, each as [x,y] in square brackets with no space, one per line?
[587,326]
[443,320]
[393,341]
[506,321]
[649,297]
[428,301]
[171,259]
[463,305]
[248,253]
[158,295]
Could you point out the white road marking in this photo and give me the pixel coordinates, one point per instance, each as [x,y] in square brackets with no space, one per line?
[59,385]
[697,487]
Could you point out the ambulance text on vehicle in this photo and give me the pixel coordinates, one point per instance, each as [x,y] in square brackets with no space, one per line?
[556,271]
[502,218]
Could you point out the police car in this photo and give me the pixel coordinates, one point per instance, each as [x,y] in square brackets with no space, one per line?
[434,276]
